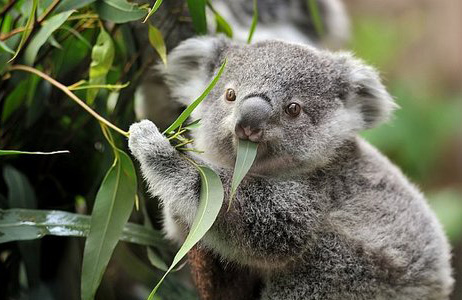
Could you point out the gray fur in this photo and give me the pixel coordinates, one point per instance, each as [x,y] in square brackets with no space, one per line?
[322,214]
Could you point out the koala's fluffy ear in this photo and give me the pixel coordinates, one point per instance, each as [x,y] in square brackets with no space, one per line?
[191,65]
[367,93]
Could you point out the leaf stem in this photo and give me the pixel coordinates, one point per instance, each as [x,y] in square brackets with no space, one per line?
[76,99]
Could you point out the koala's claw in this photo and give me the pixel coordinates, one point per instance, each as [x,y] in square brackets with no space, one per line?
[145,138]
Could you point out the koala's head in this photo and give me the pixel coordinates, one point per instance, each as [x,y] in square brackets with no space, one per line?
[301,104]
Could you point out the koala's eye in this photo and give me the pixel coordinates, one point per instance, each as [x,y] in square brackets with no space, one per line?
[293,109]
[230,95]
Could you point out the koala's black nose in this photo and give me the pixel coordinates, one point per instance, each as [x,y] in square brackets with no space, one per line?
[253,115]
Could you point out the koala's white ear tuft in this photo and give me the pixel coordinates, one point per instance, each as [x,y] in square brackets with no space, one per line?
[367,94]
[191,65]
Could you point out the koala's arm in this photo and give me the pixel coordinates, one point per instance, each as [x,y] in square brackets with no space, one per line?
[270,220]
[168,175]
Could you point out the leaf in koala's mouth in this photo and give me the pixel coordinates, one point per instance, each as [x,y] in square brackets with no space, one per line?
[246,154]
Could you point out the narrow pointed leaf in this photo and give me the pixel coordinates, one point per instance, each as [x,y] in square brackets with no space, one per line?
[316,16]
[113,206]
[152,10]
[30,224]
[210,202]
[197,12]
[185,114]
[246,154]
[254,22]
[157,42]
[28,29]
[102,56]
[223,26]
[49,26]
[17,152]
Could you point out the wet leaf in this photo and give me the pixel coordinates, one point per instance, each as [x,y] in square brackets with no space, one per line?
[30,224]
[210,202]
[113,206]
[17,152]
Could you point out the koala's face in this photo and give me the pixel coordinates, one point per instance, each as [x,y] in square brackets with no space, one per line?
[300,104]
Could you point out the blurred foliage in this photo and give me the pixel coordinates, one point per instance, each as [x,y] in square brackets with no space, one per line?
[425,126]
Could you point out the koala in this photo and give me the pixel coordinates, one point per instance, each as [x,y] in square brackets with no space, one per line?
[321,214]
[289,20]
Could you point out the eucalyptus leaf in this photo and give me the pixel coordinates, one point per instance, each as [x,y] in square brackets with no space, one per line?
[119,11]
[152,10]
[28,29]
[4,47]
[20,191]
[21,194]
[157,42]
[66,5]
[49,26]
[102,56]
[223,26]
[185,114]
[30,224]
[246,154]
[254,21]
[113,206]
[210,202]
[14,100]
[197,12]
[17,152]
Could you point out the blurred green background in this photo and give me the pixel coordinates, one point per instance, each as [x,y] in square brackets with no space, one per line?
[417,46]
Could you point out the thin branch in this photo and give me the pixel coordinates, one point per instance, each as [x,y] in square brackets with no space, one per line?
[48,11]
[70,94]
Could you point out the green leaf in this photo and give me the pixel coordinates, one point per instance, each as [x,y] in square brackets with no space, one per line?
[152,10]
[119,11]
[210,202]
[76,34]
[28,29]
[16,152]
[197,12]
[157,42]
[66,5]
[102,56]
[14,100]
[30,224]
[4,47]
[254,22]
[20,191]
[113,206]
[192,125]
[246,154]
[49,26]
[316,16]
[223,26]
[22,195]
[185,114]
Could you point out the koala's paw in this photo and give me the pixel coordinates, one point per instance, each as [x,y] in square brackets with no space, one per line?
[145,139]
